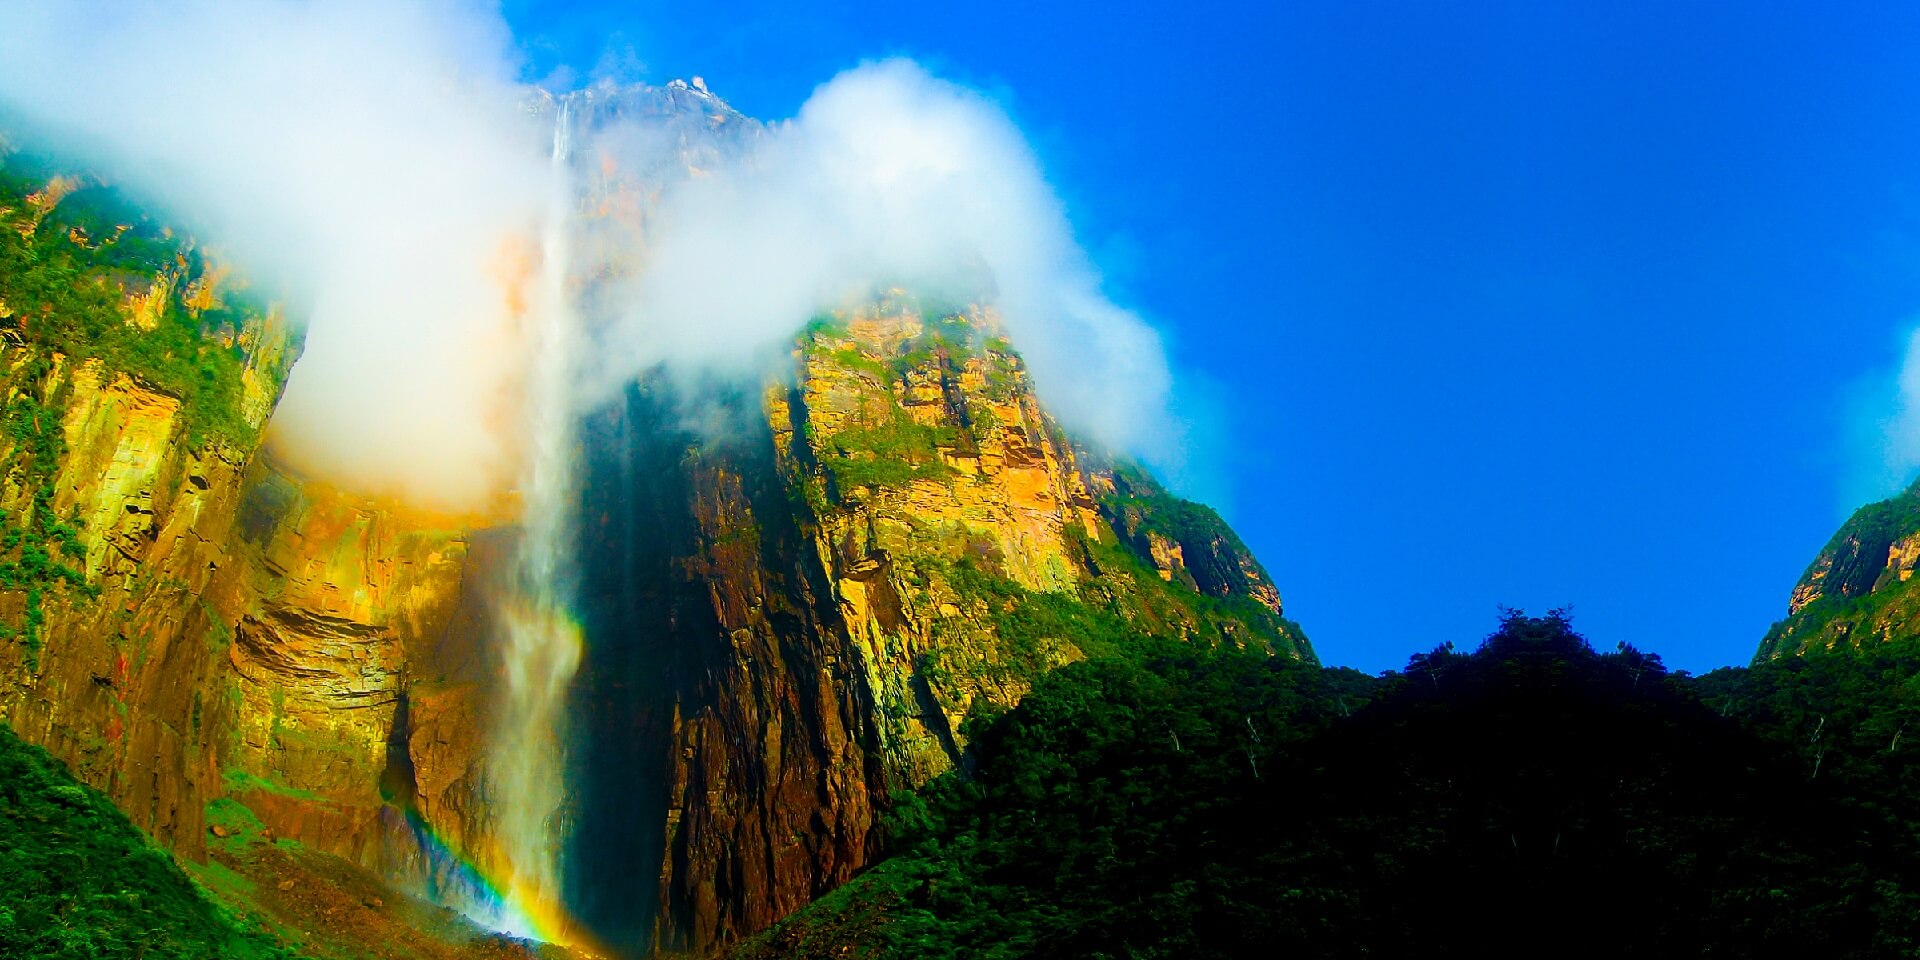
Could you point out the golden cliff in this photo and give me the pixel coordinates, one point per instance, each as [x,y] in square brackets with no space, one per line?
[183,620]
[910,539]
[1858,592]
[788,616]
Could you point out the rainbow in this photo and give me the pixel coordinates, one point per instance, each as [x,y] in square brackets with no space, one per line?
[493,900]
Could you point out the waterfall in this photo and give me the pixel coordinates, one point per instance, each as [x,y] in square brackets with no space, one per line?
[526,760]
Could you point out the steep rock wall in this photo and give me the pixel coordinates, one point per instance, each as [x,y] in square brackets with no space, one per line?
[184,620]
[788,617]
[892,538]
[1858,591]
[119,675]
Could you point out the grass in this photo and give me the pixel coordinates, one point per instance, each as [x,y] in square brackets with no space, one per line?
[239,781]
[35,547]
[83,883]
[893,454]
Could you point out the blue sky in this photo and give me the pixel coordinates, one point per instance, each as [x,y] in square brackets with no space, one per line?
[1486,304]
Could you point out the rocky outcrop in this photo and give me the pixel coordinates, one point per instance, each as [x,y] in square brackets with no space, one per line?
[349,606]
[785,626]
[909,538]
[1858,590]
[185,620]
[122,673]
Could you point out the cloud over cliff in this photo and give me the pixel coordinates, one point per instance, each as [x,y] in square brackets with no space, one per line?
[375,164]
[368,160]
[891,176]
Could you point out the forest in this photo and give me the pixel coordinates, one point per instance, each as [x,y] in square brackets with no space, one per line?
[1177,801]
[1533,794]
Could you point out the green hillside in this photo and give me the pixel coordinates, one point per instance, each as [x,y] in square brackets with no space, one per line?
[82,883]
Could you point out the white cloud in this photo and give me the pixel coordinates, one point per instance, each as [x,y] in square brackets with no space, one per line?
[890,175]
[370,158]
[1884,417]
[375,161]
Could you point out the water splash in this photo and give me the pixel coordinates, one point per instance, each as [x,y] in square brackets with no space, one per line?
[526,765]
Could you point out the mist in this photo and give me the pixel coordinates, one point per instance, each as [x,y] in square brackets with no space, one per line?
[889,176]
[379,168]
[368,162]
[1883,417]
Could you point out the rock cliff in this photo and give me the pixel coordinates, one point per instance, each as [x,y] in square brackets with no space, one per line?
[1859,590]
[794,591]
[887,539]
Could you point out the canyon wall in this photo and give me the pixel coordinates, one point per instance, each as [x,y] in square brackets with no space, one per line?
[822,588]
[794,591]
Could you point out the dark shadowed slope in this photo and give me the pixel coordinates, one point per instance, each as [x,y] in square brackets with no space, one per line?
[1532,796]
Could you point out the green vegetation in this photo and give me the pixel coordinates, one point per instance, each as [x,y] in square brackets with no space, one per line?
[82,883]
[853,358]
[1038,629]
[824,326]
[34,547]
[1096,803]
[242,828]
[239,781]
[1172,604]
[1859,548]
[1182,521]
[899,450]
[890,455]
[1851,718]
[1861,598]
[1146,507]
[1531,797]
[943,336]
[67,260]
[233,818]
[64,286]
[1831,617]
[1033,626]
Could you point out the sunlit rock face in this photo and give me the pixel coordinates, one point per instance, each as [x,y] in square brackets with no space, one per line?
[120,493]
[354,606]
[1858,592]
[791,588]
[790,613]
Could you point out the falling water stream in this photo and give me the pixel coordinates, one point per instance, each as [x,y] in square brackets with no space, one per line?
[526,759]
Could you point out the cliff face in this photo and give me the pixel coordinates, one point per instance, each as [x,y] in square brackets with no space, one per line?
[135,395]
[1858,591]
[894,537]
[183,620]
[788,612]
[113,668]
[358,664]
